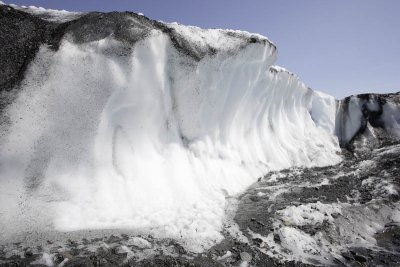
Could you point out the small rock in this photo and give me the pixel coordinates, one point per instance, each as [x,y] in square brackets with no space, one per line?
[58,258]
[347,256]
[180,249]
[277,238]
[245,256]
[257,241]
[120,250]
[360,258]
[260,223]
[254,198]
[28,254]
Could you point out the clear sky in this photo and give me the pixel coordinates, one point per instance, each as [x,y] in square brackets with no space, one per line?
[340,47]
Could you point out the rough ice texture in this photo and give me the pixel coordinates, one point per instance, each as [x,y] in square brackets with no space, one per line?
[132,123]
[154,133]
[368,120]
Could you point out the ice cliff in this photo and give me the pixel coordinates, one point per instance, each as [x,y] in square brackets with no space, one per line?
[113,120]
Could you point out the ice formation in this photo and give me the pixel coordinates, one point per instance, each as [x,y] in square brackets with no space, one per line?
[152,127]
[364,118]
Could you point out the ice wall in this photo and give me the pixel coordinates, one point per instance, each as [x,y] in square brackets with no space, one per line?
[144,135]
[368,120]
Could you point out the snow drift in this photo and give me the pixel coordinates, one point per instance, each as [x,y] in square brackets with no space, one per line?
[133,123]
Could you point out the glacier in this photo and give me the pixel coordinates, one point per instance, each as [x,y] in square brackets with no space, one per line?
[129,123]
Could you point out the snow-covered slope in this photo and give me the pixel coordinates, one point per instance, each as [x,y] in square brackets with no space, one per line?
[133,123]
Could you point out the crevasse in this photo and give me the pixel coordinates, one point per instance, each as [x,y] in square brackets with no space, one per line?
[108,134]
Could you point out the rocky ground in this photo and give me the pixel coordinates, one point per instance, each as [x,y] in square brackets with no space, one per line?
[341,215]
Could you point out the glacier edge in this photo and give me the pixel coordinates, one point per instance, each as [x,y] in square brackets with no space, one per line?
[146,129]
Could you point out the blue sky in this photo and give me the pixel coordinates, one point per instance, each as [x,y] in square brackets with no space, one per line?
[340,47]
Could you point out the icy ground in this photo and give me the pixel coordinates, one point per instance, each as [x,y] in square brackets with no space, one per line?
[342,215]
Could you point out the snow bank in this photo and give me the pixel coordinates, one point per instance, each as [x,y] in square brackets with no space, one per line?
[106,135]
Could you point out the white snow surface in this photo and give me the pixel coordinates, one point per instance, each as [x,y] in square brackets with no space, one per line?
[309,214]
[153,141]
[48,14]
